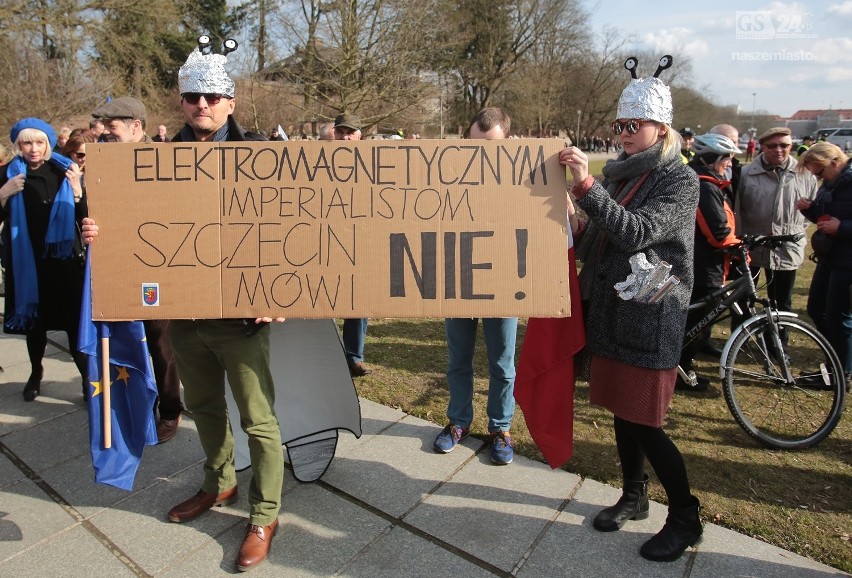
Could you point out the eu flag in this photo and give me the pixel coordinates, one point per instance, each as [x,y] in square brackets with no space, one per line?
[132,388]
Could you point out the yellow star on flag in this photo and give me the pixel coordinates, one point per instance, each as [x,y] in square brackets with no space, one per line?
[123,375]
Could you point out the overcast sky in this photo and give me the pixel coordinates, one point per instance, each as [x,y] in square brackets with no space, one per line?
[789,56]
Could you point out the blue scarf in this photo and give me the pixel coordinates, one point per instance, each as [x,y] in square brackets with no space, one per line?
[58,243]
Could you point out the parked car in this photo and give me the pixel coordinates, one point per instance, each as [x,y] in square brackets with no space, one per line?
[841,137]
[818,134]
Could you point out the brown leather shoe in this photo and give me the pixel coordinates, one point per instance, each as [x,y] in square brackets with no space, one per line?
[200,503]
[359,369]
[166,429]
[256,545]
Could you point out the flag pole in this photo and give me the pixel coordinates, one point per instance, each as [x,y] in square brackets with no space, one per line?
[105,393]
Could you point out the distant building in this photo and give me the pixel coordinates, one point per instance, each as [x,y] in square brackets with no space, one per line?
[805,122]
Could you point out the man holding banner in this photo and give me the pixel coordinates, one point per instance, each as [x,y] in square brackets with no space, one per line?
[500,335]
[208,350]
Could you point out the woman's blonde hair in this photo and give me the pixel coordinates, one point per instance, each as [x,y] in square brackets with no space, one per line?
[821,154]
[31,135]
[671,141]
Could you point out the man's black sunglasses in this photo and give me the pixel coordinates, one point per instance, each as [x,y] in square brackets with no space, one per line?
[194,97]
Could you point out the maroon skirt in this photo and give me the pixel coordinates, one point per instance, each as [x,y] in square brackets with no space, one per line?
[635,394]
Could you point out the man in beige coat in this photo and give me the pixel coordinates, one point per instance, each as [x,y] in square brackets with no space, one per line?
[766,205]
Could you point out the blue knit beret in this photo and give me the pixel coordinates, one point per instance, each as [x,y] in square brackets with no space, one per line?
[36,123]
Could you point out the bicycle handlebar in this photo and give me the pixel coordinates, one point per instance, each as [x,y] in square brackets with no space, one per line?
[749,241]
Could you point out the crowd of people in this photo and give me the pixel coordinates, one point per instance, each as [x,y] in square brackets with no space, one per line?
[673,196]
[598,144]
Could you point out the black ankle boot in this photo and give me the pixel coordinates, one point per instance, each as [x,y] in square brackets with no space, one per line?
[33,387]
[682,530]
[632,505]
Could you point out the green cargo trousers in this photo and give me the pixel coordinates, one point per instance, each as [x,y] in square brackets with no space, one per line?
[206,350]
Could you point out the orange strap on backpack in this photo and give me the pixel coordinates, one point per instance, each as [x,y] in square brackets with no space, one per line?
[730,240]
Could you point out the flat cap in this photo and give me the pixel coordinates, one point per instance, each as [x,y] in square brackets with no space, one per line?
[348,120]
[778,130]
[123,107]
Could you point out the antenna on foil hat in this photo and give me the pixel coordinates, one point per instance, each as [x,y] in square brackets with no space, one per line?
[646,98]
[204,71]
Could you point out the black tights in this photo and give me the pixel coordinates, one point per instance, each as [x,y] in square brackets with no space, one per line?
[636,442]
[37,345]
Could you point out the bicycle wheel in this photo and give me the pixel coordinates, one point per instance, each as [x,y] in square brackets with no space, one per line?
[789,400]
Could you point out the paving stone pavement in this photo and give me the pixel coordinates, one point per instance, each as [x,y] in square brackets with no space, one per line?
[387,507]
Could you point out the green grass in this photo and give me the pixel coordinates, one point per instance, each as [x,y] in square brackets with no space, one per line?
[800,501]
[595,166]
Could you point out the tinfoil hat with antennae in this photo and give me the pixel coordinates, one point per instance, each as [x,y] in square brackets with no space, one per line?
[646,98]
[204,72]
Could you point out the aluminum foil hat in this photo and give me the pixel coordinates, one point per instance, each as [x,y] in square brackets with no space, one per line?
[646,98]
[204,72]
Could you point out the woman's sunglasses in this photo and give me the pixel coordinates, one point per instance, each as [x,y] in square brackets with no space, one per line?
[632,126]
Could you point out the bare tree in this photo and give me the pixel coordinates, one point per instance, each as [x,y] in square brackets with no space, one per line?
[597,79]
[365,56]
[398,63]
[47,88]
[492,39]
[142,43]
[540,111]
[43,60]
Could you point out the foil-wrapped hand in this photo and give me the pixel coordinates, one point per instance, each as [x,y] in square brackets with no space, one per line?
[647,283]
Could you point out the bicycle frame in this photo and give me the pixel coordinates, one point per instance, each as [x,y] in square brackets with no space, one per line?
[782,381]
[736,290]
[727,298]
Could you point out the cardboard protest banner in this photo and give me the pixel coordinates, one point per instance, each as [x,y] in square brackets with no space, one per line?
[318,229]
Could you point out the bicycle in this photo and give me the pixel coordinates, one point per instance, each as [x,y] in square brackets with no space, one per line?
[782,380]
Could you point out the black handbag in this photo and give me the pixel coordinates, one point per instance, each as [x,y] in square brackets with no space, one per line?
[821,243]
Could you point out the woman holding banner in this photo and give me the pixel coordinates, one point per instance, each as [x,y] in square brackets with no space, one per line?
[42,205]
[643,211]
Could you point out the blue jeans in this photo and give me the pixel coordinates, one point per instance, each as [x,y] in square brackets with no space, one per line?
[829,307]
[500,335]
[354,335]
